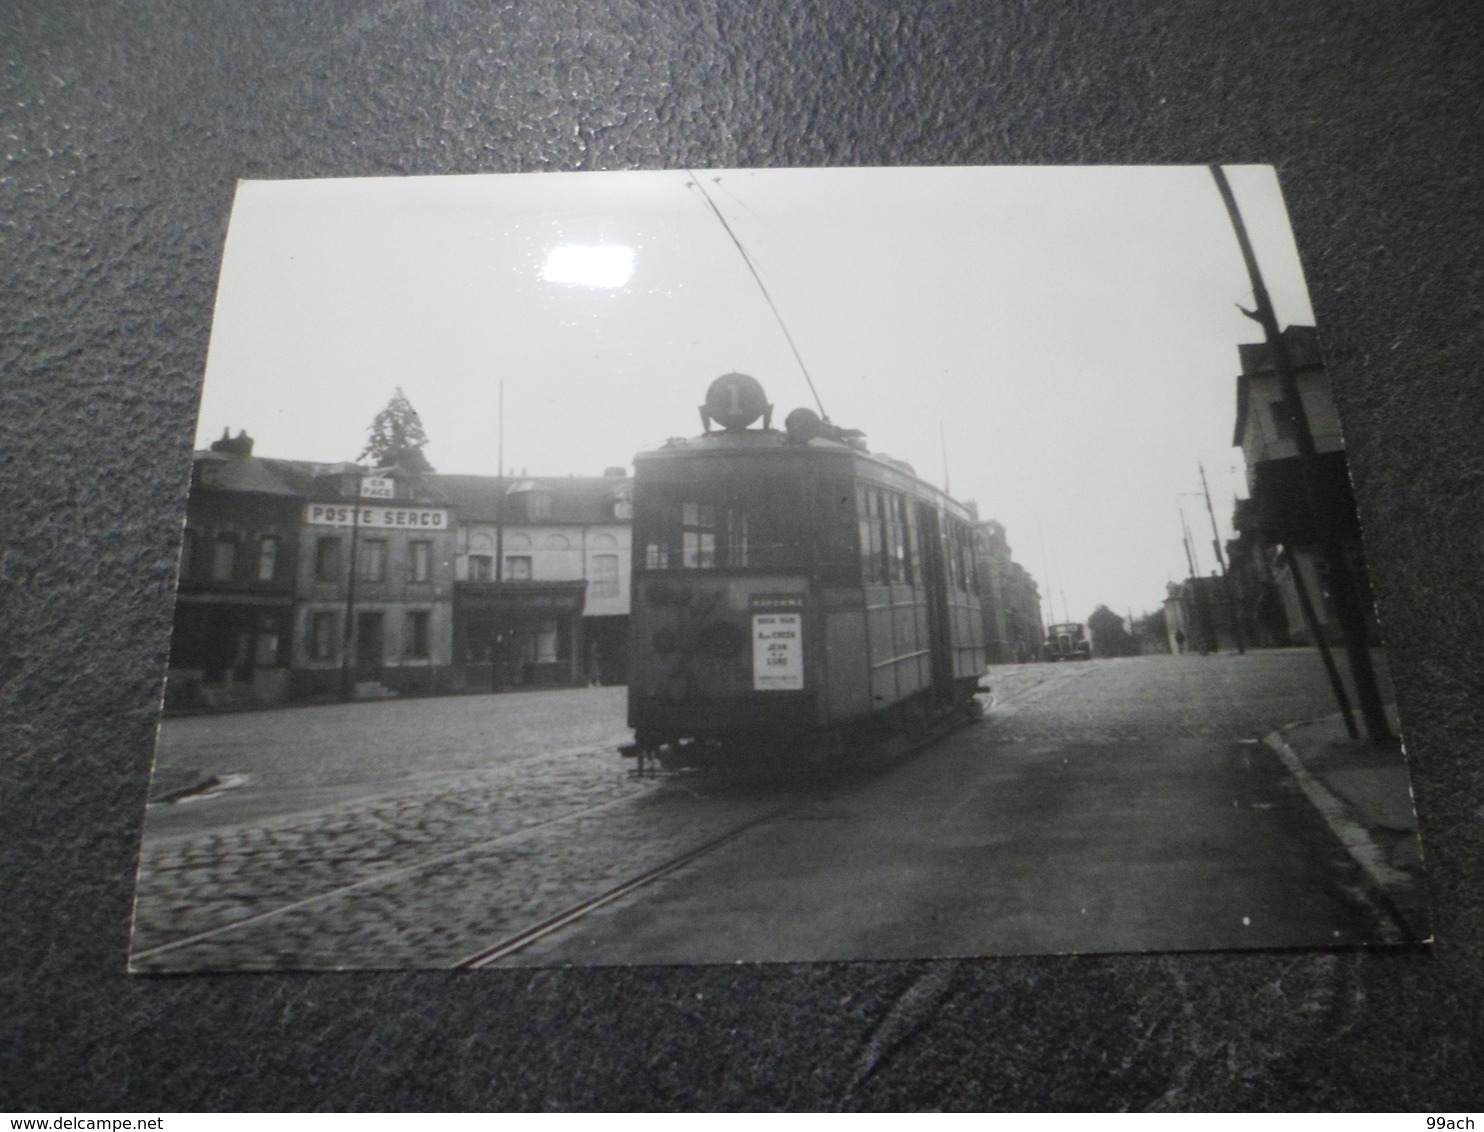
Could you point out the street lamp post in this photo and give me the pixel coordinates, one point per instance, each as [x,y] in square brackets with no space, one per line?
[367,487]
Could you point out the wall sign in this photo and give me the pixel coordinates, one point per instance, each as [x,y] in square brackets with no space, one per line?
[777,642]
[404,518]
[378,487]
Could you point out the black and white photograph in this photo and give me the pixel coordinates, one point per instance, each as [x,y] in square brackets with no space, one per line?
[712,566]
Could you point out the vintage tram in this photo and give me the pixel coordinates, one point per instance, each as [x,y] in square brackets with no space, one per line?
[795,597]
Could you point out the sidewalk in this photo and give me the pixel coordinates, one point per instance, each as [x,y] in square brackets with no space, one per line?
[1365,794]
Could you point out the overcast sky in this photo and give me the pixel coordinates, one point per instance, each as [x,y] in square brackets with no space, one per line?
[1069,333]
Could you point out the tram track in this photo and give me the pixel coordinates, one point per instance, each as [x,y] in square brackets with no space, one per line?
[271,931]
[553,924]
[340,891]
[528,937]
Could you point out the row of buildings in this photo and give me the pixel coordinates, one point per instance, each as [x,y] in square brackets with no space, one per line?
[1275,561]
[301,580]
[305,581]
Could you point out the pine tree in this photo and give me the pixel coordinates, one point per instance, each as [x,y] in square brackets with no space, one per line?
[397,437]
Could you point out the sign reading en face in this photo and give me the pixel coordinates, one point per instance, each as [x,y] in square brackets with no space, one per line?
[427,519]
[378,487]
[777,642]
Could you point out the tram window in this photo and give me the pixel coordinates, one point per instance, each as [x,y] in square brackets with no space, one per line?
[873,535]
[898,563]
[961,557]
[698,536]
[832,523]
[885,542]
[914,543]
[699,550]
[762,525]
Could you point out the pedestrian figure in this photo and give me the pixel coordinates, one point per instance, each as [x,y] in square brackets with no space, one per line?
[1180,640]
[594,666]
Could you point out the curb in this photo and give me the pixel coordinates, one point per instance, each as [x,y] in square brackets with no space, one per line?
[1355,836]
[1398,897]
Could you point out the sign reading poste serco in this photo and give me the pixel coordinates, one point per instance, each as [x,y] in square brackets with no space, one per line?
[429,519]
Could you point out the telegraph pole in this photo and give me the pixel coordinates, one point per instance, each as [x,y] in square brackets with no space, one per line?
[1342,586]
[497,649]
[1202,599]
[347,675]
[1226,579]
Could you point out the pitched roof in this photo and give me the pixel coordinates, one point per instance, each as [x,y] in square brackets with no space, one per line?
[574,499]
[221,472]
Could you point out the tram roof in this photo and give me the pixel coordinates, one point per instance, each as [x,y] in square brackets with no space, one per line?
[754,443]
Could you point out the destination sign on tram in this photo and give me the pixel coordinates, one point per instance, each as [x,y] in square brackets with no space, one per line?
[379,517]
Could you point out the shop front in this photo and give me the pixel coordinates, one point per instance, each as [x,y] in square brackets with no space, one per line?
[523,634]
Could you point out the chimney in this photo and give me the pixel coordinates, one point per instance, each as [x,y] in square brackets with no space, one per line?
[240,445]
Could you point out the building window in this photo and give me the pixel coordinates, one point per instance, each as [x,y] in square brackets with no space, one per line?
[623,509]
[518,568]
[327,559]
[1285,426]
[422,560]
[416,639]
[604,581]
[538,505]
[322,636]
[187,555]
[267,558]
[372,566]
[481,567]
[223,558]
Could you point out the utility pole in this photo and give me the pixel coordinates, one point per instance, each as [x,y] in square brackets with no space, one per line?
[1226,580]
[1046,570]
[1342,586]
[1202,599]
[347,676]
[497,649]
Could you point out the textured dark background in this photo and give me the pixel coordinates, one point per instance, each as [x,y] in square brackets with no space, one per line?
[123,129]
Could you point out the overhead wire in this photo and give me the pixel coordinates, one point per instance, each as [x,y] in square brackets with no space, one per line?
[747,259]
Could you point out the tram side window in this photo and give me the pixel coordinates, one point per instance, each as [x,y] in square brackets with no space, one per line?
[832,529]
[961,557]
[884,545]
[899,560]
[873,536]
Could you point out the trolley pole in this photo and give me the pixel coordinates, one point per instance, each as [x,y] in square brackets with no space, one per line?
[1342,586]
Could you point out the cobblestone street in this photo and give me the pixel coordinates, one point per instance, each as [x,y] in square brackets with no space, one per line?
[423,832]
[335,796]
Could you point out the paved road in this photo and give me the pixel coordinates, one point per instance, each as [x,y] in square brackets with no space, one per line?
[312,759]
[1118,805]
